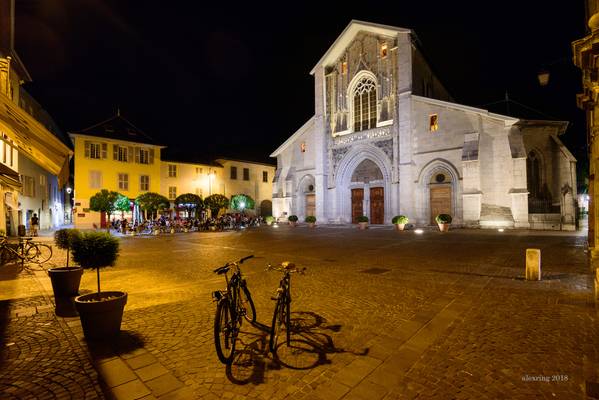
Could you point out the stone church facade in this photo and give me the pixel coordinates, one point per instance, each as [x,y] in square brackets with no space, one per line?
[387,139]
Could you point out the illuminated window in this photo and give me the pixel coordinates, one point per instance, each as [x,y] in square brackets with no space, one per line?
[384,50]
[144,183]
[172,192]
[123,181]
[144,156]
[303,147]
[433,123]
[365,104]
[120,153]
[344,67]
[172,171]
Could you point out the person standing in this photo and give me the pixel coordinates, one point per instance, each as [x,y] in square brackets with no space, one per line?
[34,223]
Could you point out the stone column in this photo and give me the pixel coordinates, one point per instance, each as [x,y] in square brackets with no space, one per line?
[320,147]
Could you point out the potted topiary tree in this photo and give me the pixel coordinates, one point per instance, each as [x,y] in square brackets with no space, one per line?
[269,219]
[65,280]
[292,220]
[363,222]
[400,222]
[443,220]
[101,313]
[311,221]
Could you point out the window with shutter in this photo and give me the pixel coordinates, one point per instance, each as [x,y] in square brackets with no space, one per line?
[115,152]
[104,151]
[87,146]
[151,156]
[137,155]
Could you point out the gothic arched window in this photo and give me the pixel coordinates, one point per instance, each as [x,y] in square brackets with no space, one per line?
[533,175]
[365,104]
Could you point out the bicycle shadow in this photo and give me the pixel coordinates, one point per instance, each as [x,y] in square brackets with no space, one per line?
[310,346]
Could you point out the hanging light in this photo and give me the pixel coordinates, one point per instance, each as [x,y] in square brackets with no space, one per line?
[543,77]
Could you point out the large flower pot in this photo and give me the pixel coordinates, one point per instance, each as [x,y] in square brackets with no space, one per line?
[443,227]
[363,225]
[101,313]
[311,224]
[293,223]
[65,284]
[400,227]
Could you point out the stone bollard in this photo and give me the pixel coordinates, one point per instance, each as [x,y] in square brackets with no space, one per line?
[533,264]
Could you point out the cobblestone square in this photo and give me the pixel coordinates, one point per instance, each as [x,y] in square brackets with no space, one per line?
[380,314]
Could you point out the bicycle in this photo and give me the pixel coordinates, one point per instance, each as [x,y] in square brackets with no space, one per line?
[282,313]
[233,303]
[26,250]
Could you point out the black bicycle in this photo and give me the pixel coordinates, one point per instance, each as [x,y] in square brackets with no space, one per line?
[282,315]
[233,304]
[26,250]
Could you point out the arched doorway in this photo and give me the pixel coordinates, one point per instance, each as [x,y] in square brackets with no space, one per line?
[440,188]
[368,193]
[266,207]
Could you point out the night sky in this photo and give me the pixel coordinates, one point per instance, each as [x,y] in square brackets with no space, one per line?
[220,78]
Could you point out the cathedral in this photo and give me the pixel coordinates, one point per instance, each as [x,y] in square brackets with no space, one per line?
[387,139]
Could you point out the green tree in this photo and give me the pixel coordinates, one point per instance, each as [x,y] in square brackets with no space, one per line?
[216,202]
[122,204]
[190,202]
[104,201]
[242,202]
[151,202]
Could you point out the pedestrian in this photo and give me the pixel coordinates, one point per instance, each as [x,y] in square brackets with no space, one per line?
[124,226]
[34,223]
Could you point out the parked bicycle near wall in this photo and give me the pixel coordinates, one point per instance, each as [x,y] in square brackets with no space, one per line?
[26,251]
[281,318]
[233,304]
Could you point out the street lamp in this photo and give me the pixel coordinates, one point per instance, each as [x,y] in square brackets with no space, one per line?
[211,175]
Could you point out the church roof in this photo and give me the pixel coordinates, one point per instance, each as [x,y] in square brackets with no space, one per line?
[507,120]
[118,128]
[350,31]
[308,125]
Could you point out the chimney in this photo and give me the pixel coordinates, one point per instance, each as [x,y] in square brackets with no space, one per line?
[7,27]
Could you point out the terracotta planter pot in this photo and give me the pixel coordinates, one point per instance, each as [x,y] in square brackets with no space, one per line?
[443,227]
[65,285]
[311,224]
[101,313]
[400,227]
[363,225]
[292,223]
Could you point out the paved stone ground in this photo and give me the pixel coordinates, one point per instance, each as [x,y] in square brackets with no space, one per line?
[39,357]
[380,314]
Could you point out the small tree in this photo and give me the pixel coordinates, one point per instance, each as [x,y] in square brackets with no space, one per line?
[151,202]
[189,202]
[63,238]
[216,202]
[104,201]
[122,204]
[242,202]
[95,250]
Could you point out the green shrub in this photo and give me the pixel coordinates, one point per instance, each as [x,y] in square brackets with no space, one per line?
[63,238]
[293,218]
[95,250]
[443,219]
[310,219]
[400,219]
[362,218]
[269,219]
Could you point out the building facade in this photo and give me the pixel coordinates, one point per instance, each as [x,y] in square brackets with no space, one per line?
[112,155]
[586,53]
[34,161]
[386,139]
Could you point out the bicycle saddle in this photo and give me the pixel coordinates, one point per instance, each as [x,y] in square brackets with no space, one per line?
[288,265]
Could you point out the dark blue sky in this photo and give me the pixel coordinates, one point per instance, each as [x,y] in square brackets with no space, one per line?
[233,79]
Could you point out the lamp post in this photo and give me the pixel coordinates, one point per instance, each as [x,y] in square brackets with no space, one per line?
[210,177]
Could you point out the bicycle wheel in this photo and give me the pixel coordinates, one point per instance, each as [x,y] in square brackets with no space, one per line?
[279,319]
[225,332]
[38,253]
[248,304]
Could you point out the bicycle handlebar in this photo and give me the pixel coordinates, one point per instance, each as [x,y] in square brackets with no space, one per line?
[285,268]
[227,265]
